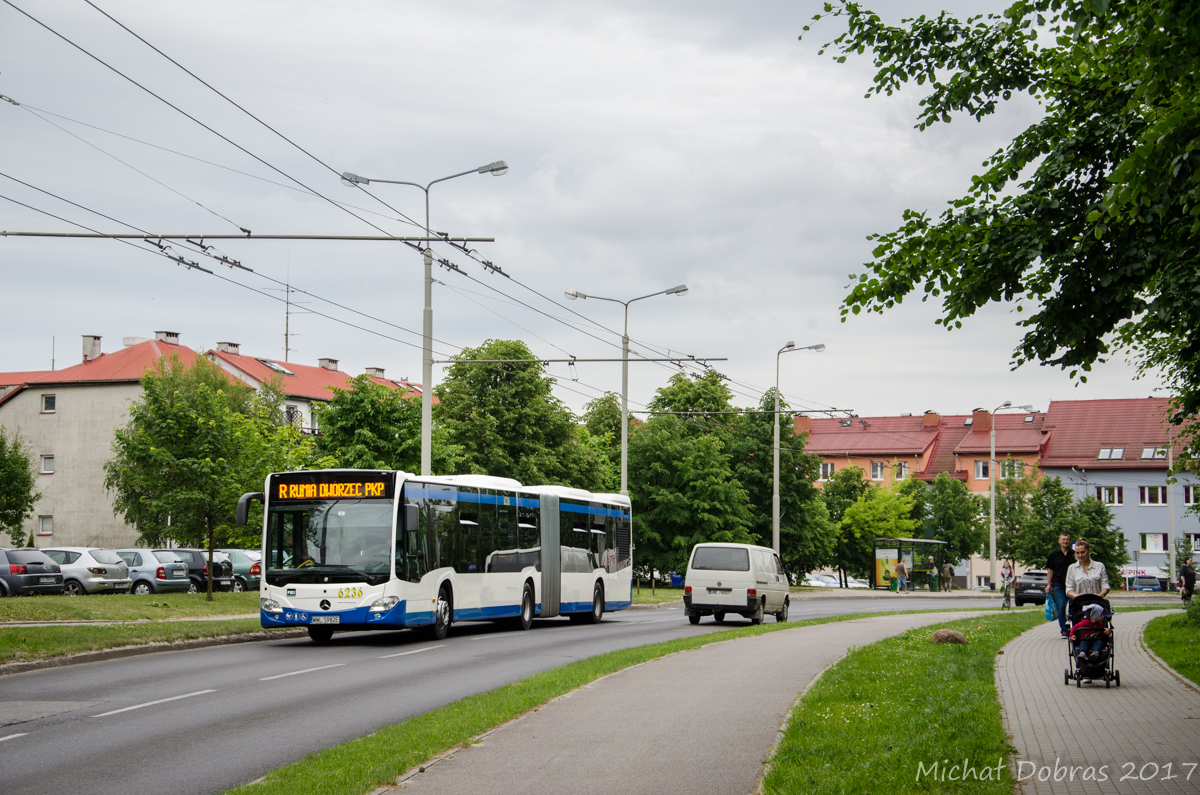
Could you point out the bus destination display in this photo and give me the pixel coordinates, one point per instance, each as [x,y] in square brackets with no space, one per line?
[341,489]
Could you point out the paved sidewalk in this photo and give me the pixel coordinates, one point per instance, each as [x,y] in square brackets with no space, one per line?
[1147,730]
[701,721]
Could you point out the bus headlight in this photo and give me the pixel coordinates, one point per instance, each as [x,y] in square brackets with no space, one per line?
[270,606]
[385,604]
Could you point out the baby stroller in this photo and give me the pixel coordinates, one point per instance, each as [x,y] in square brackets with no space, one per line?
[1102,664]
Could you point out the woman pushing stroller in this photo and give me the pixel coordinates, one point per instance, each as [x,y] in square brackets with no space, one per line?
[1090,648]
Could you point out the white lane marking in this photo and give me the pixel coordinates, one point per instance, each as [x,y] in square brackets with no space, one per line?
[13,736]
[414,651]
[152,703]
[304,671]
[490,637]
[658,621]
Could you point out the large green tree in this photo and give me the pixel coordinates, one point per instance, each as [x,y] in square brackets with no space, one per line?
[197,440]
[17,480]
[371,426]
[806,535]
[507,422]
[879,512]
[1090,217]
[683,492]
[957,517]
[702,400]
[852,555]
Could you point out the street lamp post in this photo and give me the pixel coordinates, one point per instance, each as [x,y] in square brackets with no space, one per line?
[679,290]
[495,169]
[791,346]
[992,486]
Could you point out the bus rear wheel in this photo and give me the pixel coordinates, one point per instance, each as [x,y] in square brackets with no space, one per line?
[597,613]
[320,634]
[441,616]
[525,620]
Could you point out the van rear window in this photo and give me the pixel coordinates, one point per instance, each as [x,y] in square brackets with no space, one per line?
[721,559]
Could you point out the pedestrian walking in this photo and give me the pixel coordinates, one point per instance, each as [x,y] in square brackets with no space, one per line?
[901,577]
[947,576]
[1056,579]
[1086,575]
[1187,580]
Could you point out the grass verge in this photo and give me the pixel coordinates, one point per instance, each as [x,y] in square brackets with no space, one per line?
[366,763]
[126,607]
[869,720]
[1177,643]
[20,644]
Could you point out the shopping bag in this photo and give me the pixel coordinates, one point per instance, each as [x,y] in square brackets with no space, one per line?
[1051,611]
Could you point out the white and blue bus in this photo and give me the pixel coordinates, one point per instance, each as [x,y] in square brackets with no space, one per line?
[365,549]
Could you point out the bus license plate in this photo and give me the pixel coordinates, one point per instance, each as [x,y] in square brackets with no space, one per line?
[326,619]
[46,579]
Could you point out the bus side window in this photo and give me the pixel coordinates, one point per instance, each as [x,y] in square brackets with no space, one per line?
[624,541]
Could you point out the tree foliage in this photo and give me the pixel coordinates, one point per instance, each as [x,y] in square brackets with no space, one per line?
[507,422]
[1091,216]
[693,395]
[879,512]
[17,480]
[957,517]
[852,554]
[197,440]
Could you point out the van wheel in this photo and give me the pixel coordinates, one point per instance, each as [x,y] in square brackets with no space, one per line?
[320,634]
[441,616]
[782,615]
[525,620]
[757,616]
[719,618]
[693,618]
[597,613]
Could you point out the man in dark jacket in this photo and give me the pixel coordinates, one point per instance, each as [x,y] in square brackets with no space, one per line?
[1056,578]
[1187,577]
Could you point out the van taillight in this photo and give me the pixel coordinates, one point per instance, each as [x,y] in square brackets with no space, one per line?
[17,568]
[687,590]
[255,570]
[751,592]
[161,573]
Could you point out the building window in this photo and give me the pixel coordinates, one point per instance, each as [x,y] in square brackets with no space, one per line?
[981,470]
[1154,452]
[1111,453]
[1196,542]
[901,470]
[1189,494]
[47,404]
[45,526]
[1154,542]
[826,471]
[47,465]
[1111,495]
[292,414]
[1152,495]
[876,470]
[1012,470]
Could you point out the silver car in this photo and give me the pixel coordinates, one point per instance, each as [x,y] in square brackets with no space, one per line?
[155,571]
[90,570]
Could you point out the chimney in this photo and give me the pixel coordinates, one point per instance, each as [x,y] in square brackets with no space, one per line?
[375,371]
[169,337]
[803,423]
[91,347]
[230,347]
[328,364]
[931,420]
[981,420]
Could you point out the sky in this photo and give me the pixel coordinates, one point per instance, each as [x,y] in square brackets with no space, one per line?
[648,145]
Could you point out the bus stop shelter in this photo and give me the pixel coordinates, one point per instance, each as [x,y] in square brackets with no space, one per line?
[916,553]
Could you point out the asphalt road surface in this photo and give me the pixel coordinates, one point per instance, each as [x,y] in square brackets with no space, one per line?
[205,720]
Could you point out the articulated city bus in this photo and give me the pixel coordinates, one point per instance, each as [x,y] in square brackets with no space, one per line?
[364,549]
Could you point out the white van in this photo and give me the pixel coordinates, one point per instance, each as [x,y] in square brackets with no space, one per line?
[735,578]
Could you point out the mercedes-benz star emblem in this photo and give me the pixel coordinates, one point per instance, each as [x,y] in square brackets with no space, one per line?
[718,585]
[324,604]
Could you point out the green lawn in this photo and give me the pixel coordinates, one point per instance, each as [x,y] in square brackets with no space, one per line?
[1177,642]
[887,712]
[126,607]
[18,644]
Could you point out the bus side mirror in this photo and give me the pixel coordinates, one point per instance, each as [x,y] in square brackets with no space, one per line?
[243,508]
[412,518]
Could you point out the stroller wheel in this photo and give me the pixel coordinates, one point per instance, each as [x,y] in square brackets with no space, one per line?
[1117,678]
[1079,681]
[1066,677]
[1107,681]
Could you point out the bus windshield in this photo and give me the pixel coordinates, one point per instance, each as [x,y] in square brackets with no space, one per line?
[329,541]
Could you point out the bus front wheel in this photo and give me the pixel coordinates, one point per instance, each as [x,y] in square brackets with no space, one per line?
[441,616]
[525,620]
[320,634]
[597,613]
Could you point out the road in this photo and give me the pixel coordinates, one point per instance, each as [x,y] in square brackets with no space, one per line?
[204,720]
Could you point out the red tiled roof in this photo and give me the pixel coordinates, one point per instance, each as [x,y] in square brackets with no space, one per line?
[300,380]
[1082,427]
[942,458]
[1013,435]
[12,379]
[866,436]
[127,364]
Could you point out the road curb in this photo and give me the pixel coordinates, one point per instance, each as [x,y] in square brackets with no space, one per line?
[146,648]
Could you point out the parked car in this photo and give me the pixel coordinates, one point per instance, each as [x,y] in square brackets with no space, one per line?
[197,563]
[854,582]
[735,578]
[1030,587]
[817,581]
[247,571]
[24,572]
[155,570]
[91,570]
[1146,584]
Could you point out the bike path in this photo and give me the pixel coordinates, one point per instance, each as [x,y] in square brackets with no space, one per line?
[700,721]
[1144,732]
